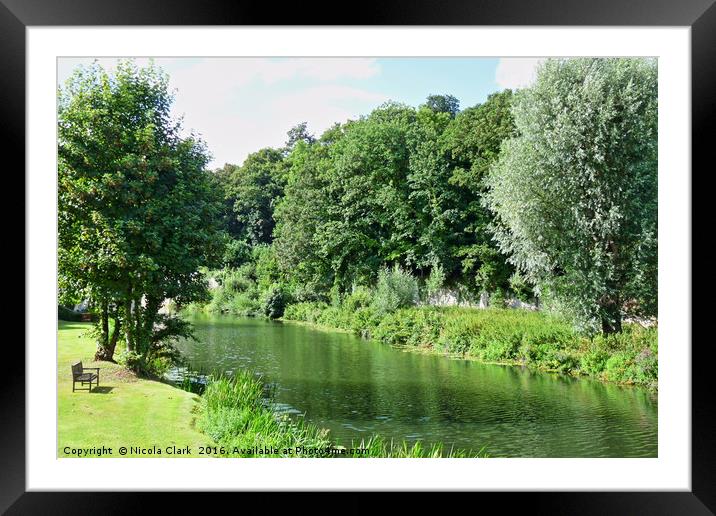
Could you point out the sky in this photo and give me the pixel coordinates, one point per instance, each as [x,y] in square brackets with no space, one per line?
[239,105]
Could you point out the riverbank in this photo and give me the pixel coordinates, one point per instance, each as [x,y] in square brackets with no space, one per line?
[235,414]
[125,410]
[503,336]
[154,419]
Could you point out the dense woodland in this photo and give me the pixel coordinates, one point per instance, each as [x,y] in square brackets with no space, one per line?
[547,194]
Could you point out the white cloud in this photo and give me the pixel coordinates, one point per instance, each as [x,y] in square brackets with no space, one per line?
[213,95]
[207,90]
[215,78]
[320,106]
[516,72]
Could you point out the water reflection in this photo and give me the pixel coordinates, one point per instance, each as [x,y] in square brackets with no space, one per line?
[356,388]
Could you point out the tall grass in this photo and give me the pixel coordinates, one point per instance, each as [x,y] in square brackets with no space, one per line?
[511,336]
[237,413]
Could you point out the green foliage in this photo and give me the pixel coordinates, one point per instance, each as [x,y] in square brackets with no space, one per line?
[594,361]
[274,302]
[435,281]
[377,446]
[305,312]
[396,288]
[412,327]
[238,413]
[67,314]
[380,190]
[360,297]
[509,336]
[152,367]
[251,192]
[298,133]
[575,193]
[443,104]
[137,212]
[471,144]
[520,287]
[628,357]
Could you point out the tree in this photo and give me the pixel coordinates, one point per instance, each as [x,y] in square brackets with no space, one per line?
[253,189]
[137,213]
[575,194]
[472,144]
[298,133]
[397,187]
[301,213]
[443,104]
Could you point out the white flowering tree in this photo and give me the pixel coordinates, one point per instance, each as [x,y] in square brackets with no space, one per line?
[575,193]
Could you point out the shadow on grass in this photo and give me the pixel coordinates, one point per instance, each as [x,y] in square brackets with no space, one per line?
[101,390]
[73,325]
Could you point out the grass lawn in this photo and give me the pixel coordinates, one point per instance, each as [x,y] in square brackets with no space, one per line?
[124,410]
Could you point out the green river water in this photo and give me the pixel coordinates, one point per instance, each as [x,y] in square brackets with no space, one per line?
[356,388]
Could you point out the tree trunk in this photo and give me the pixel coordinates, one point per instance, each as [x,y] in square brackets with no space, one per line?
[115,334]
[103,352]
[151,311]
[104,336]
[611,316]
[139,340]
[128,333]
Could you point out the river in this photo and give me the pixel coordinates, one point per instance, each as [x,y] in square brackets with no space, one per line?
[356,388]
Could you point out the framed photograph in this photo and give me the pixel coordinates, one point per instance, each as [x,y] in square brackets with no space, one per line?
[435,249]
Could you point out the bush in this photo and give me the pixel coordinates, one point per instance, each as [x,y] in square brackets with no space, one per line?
[152,368]
[435,281]
[594,361]
[525,337]
[274,302]
[66,314]
[306,312]
[459,332]
[236,412]
[365,320]
[618,367]
[361,297]
[646,368]
[243,304]
[396,289]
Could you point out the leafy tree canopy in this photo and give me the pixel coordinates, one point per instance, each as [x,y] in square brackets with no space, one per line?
[575,193]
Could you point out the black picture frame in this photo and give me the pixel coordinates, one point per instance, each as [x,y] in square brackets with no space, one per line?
[700,15]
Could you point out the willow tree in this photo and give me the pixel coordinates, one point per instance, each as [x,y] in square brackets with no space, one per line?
[575,193]
[137,214]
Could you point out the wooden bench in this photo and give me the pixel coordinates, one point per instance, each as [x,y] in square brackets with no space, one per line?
[80,376]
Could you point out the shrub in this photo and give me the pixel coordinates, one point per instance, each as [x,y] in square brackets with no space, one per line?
[594,361]
[236,412]
[435,281]
[274,302]
[66,314]
[365,321]
[394,329]
[646,367]
[243,304]
[359,298]
[396,289]
[306,312]
[419,327]
[532,338]
[458,333]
